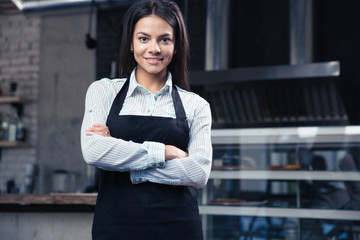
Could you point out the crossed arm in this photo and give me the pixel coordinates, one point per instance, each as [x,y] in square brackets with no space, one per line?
[171,152]
[147,161]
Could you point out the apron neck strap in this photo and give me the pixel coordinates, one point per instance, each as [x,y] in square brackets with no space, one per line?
[179,108]
[120,98]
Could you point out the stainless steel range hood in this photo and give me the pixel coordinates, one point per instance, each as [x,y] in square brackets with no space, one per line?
[301,93]
[288,95]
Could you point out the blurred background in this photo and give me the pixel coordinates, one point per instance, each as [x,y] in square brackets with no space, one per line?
[51,51]
[261,64]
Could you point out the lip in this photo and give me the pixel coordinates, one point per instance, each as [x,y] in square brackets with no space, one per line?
[153,60]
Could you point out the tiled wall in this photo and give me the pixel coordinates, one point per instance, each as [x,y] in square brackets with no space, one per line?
[19,63]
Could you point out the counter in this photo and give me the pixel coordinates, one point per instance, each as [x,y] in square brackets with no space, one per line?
[46,216]
[68,202]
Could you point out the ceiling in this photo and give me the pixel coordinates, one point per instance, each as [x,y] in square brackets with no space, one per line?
[14,6]
[8,7]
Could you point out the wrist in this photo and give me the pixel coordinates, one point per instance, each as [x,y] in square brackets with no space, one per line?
[156,154]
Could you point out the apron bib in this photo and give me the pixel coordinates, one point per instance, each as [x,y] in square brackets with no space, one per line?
[126,211]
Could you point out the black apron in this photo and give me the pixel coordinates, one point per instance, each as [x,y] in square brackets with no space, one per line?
[147,210]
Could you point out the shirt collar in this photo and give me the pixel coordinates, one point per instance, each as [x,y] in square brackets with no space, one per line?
[133,85]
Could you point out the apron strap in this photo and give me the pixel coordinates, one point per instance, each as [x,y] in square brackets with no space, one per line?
[179,108]
[120,98]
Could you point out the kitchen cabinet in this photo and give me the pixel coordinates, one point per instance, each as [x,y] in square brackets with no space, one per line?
[283,183]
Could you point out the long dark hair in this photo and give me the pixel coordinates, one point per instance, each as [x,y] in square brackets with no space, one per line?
[170,12]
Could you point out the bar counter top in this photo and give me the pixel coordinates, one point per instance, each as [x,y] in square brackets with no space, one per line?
[69,202]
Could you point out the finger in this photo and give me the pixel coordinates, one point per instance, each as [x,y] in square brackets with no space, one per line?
[107,133]
[101,133]
[98,125]
[89,133]
[98,128]
[90,130]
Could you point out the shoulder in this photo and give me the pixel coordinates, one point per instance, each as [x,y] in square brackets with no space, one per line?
[191,98]
[194,105]
[106,85]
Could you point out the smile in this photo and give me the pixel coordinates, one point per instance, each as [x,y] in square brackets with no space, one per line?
[154,60]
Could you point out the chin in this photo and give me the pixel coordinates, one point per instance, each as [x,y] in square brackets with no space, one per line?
[156,71]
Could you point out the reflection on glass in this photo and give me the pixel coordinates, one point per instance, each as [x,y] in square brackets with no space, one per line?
[264,228]
[277,189]
[335,194]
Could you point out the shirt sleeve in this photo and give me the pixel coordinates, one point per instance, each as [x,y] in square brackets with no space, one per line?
[110,153]
[193,170]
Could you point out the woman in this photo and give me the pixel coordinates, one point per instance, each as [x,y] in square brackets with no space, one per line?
[149,135]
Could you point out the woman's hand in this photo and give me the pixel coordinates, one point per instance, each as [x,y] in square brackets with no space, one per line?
[172,152]
[98,129]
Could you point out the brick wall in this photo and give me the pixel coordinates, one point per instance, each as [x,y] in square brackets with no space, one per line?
[19,63]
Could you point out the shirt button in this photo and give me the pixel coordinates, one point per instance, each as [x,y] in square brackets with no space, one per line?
[155,98]
[148,110]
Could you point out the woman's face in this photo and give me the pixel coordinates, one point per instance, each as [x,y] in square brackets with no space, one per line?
[153,44]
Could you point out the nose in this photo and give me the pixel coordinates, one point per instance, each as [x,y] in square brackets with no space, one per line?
[154,47]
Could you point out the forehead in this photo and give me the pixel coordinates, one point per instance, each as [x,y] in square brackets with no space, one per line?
[153,24]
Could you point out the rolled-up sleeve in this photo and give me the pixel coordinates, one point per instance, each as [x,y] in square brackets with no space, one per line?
[193,170]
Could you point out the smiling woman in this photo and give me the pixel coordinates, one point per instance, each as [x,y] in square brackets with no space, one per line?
[169,13]
[148,134]
[153,48]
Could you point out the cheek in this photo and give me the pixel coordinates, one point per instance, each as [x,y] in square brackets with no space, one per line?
[170,52]
[138,51]
[137,46]
[171,57]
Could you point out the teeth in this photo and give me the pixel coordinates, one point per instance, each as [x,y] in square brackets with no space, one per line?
[153,60]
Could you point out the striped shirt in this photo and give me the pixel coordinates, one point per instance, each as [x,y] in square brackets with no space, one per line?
[146,161]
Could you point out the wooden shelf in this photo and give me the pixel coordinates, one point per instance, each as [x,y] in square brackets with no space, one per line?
[61,198]
[13,99]
[13,144]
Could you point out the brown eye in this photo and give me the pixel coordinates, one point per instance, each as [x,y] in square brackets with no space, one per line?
[165,40]
[142,39]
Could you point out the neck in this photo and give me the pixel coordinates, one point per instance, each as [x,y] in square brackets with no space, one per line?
[152,82]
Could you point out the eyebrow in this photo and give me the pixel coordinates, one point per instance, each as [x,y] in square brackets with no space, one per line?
[163,35]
